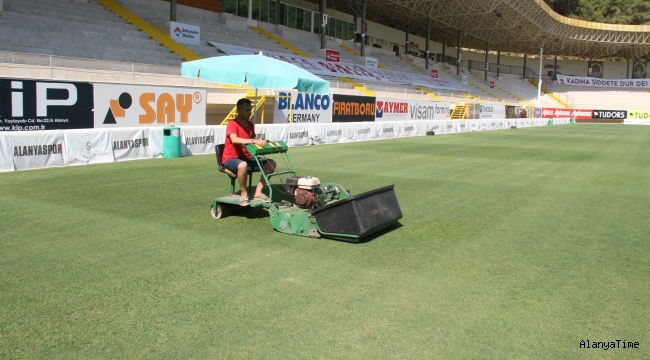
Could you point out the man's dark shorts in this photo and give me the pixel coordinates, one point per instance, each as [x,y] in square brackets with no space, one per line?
[232,163]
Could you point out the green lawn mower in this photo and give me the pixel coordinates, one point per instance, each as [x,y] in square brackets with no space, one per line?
[302,205]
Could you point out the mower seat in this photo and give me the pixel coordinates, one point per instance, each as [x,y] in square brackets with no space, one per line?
[233,177]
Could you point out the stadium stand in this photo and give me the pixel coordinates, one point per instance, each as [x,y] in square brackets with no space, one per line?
[83,30]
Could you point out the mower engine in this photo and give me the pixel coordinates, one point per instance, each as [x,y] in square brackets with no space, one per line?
[304,190]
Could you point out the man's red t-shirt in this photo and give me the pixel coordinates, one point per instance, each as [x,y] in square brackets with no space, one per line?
[231,150]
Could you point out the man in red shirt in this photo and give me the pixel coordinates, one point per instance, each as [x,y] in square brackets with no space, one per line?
[239,133]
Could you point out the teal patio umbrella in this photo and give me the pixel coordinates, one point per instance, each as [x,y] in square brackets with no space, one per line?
[257,70]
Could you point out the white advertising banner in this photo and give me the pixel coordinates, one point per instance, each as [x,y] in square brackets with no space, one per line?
[220,134]
[184,33]
[130,144]
[119,105]
[298,134]
[353,71]
[6,153]
[156,136]
[270,132]
[333,133]
[37,149]
[349,132]
[371,62]
[388,129]
[388,109]
[302,108]
[437,127]
[603,83]
[376,131]
[87,147]
[317,133]
[197,140]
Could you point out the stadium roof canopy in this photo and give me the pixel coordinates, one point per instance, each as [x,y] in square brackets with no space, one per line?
[518,26]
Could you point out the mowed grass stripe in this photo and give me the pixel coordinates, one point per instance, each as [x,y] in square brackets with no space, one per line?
[514,244]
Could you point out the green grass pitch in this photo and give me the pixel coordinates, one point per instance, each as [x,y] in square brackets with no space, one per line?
[514,244]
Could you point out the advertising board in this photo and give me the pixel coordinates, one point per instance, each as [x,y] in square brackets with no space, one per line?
[45,105]
[352,108]
[118,105]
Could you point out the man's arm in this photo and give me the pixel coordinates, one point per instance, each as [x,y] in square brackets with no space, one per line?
[237,140]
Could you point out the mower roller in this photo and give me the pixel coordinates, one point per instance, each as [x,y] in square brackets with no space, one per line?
[302,205]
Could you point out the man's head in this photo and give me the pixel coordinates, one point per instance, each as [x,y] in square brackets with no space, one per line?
[244,109]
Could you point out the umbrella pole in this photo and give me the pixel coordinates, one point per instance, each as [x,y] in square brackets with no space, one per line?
[255,113]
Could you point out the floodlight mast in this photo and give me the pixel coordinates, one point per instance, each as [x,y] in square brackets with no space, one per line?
[321,9]
[539,84]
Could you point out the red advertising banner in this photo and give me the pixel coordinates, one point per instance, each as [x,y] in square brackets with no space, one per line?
[567,113]
[491,84]
[332,55]
[434,74]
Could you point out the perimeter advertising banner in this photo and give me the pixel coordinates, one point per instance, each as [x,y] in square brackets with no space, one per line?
[388,109]
[566,113]
[38,149]
[302,107]
[603,83]
[352,108]
[492,112]
[638,114]
[610,114]
[121,105]
[45,105]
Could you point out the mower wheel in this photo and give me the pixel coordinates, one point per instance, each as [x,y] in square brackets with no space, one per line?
[218,213]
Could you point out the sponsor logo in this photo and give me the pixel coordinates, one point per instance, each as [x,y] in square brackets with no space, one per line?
[304,102]
[610,114]
[332,55]
[36,150]
[638,114]
[302,105]
[177,31]
[409,128]
[161,110]
[574,113]
[420,112]
[297,135]
[87,147]
[380,210]
[388,130]
[352,108]
[42,100]
[371,62]
[335,133]
[363,131]
[199,140]
[390,107]
[130,144]
[434,74]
